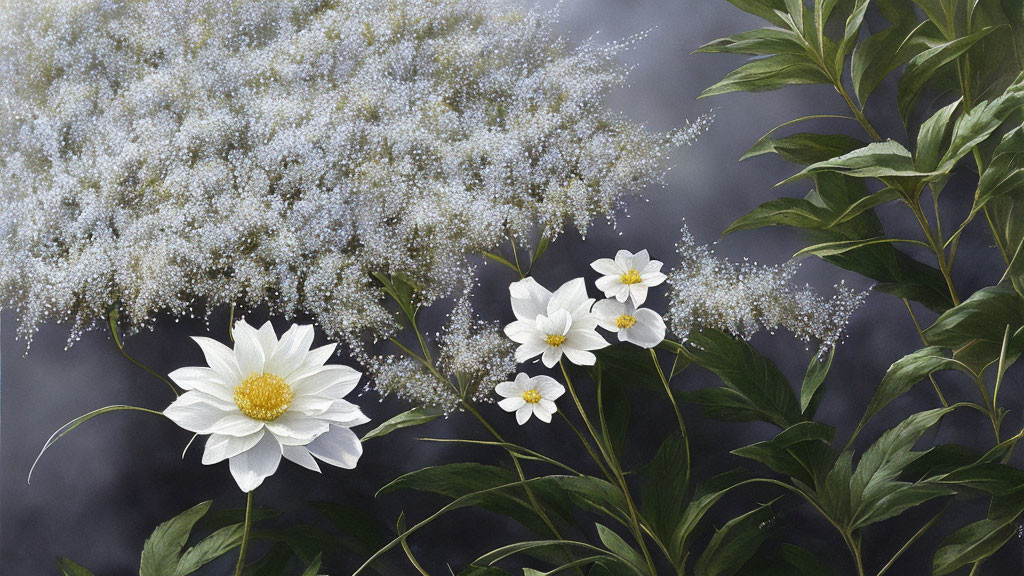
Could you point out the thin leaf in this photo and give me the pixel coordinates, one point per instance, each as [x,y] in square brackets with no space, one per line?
[414,417]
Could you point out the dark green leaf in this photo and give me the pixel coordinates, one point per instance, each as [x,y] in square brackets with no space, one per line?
[799,451]
[735,543]
[979,540]
[210,548]
[766,9]
[763,41]
[907,371]
[769,73]
[162,550]
[665,489]
[618,547]
[814,378]
[876,160]
[69,568]
[932,136]
[805,148]
[795,212]
[314,567]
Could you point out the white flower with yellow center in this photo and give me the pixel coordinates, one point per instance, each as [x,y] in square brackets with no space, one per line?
[641,326]
[551,324]
[628,276]
[528,396]
[269,398]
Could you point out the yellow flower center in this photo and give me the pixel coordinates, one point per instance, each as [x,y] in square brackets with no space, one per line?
[625,321]
[555,340]
[631,277]
[263,396]
[531,396]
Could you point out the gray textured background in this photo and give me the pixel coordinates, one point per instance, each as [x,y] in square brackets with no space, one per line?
[99,492]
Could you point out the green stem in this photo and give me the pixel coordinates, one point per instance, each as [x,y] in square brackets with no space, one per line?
[171,385]
[245,535]
[854,548]
[913,539]
[613,464]
[679,415]
[924,341]
[590,450]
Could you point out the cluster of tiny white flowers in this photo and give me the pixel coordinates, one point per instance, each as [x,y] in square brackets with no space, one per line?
[475,352]
[742,299]
[472,357]
[174,156]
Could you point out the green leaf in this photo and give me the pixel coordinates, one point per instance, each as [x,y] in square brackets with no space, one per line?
[866,203]
[210,548]
[897,499]
[753,379]
[835,492]
[881,53]
[922,67]
[765,9]
[931,137]
[903,374]
[589,493]
[665,489]
[618,547]
[613,408]
[769,73]
[735,543]
[805,148]
[799,451]
[977,125]
[705,497]
[786,560]
[984,317]
[979,540]
[532,547]
[877,470]
[795,212]
[314,567]
[69,568]
[876,160]
[763,41]
[814,378]
[353,524]
[414,417]
[60,432]
[1005,173]
[162,550]
[835,248]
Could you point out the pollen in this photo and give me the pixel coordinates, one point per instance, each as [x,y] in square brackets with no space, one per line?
[531,396]
[631,277]
[555,340]
[625,321]
[263,397]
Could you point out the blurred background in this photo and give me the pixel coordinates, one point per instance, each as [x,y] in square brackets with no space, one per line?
[100,491]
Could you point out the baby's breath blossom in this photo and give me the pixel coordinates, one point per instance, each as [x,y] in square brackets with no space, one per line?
[171,156]
[628,276]
[473,357]
[528,396]
[708,291]
[641,326]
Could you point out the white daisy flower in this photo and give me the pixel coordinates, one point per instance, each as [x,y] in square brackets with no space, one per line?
[266,399]
[641,326]
[552,324]
[528,396]
[628,276]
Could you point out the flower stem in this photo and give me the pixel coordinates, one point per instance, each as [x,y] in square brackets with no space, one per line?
[679,416]
[245,534]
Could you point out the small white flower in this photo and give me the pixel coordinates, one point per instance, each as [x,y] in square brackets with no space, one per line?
[641,326]
[528,396]
[552,324]
[266,399]
[628,275]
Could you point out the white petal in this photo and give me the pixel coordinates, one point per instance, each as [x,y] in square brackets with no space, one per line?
[541,414]
[548,387]
[310,404]
[609,285]
[236,424]
[530,349]
[194,413]
[297,427]
[512,404]
[648,331]
[652,278]
[220,358]
[521,331]
[327,377]
[528,298]
[204,380]
[607,267]
[559,322]
[267,338]
[507,389]
[584,340]
[524,413]
[622,292]
[624,258]
[339,446]
[219,447]
[523,382]
[315,359]
[248,351]
[580,357]
[640,260]
[547,406]
[551,356]
[344,413]
[569,296]
[251,467]
[638,293]
[291,351]
[300,456]
[607,311]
